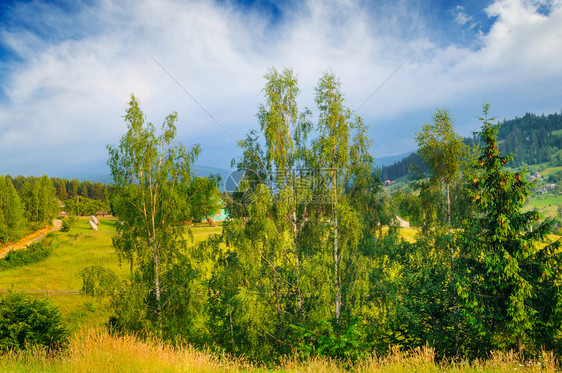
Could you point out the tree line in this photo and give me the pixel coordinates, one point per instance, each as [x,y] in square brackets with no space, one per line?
[311,262]
[28,203]
[30,207]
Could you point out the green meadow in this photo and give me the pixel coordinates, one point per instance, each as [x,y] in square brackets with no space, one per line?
[60,272]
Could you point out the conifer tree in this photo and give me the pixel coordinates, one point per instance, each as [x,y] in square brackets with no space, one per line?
[512,283]
[39,196]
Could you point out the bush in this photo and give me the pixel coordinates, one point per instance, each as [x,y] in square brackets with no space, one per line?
[34,253]
[97,280]
[67,223]
[27,321]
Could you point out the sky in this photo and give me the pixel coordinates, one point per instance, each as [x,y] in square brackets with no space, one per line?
[68,69]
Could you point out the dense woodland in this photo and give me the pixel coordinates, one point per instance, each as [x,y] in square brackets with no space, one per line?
[311,262]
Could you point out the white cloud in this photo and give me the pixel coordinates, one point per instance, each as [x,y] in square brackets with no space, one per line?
[460,16]
[66,98]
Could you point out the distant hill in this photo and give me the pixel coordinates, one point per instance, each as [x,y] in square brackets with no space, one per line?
[103,178]
[202,171]
[403,167]
[390,160]
[532,139]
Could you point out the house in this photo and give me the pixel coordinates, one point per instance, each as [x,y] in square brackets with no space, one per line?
[221,215]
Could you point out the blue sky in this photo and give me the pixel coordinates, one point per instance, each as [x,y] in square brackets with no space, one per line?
[67,69]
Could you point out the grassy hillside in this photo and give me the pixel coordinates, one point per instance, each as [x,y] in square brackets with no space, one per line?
[73,251]
[547,204]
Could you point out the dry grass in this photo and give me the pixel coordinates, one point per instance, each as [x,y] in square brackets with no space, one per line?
[423,360]
[408,234]
[95,351]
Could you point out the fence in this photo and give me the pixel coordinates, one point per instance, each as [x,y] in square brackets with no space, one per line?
[44,292]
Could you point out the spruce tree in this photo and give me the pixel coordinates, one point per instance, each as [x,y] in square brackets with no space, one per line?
[512,280]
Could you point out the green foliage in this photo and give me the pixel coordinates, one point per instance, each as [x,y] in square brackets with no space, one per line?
[440,147]
[34,253]
[83,206]
[532,139]
[204,197]
[555,177]
[12,219]
[443,150]
[152,176]
[409,207]
[132,311]
[68,222]
[97,280]
[69,189]
[39,197]
[27,322]
[289,259]
[511,285]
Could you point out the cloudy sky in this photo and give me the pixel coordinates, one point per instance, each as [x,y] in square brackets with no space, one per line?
[68,68]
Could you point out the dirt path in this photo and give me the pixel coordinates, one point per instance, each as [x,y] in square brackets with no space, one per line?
[30,238]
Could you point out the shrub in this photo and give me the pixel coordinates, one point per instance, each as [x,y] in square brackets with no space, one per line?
[34,253]
[27,321]
[97,280]
[67,223]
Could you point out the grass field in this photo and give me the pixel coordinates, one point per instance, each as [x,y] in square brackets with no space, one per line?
[74,250]
[546,204]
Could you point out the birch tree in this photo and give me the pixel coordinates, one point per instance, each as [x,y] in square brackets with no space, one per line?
[338,155]
[152,175]
[442,149]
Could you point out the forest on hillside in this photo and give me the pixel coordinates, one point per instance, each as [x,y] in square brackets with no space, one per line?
[532,139]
